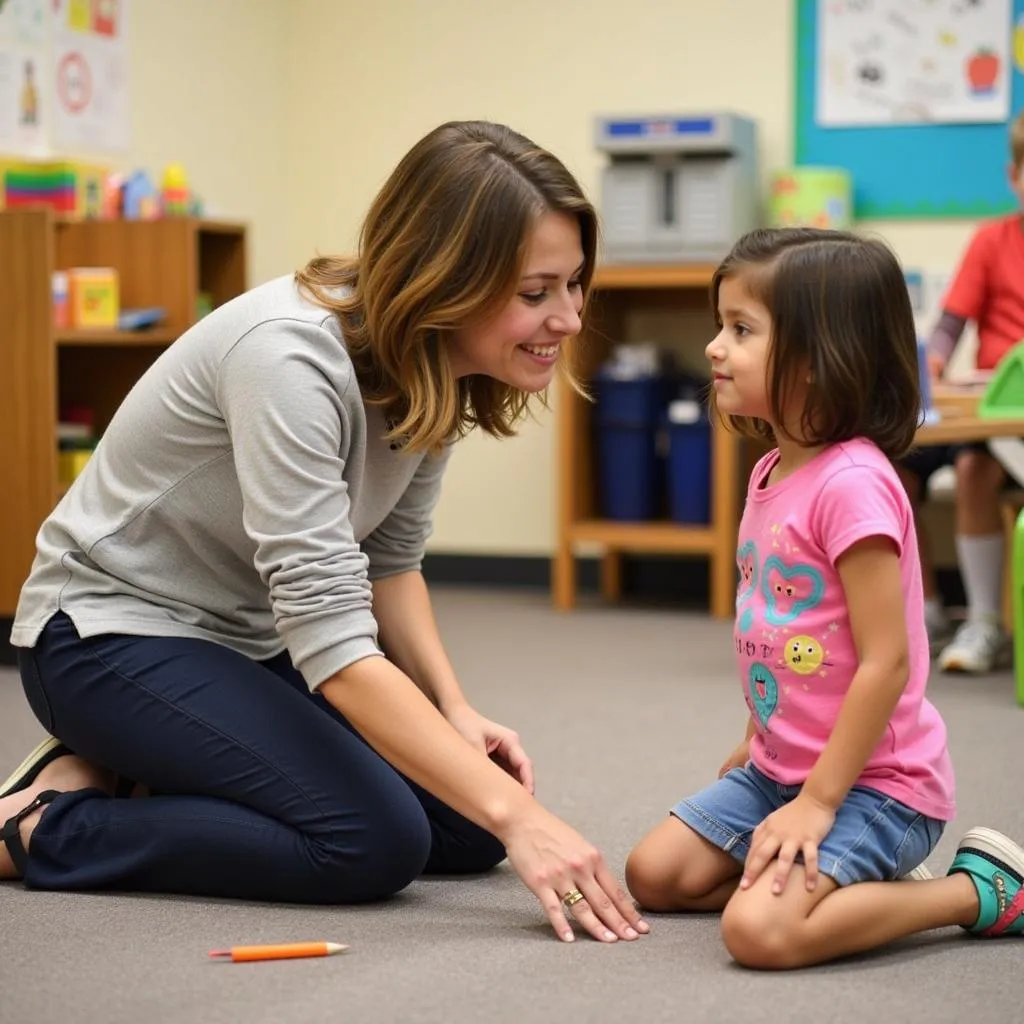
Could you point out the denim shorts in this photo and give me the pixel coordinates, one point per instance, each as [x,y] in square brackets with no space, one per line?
[874,838]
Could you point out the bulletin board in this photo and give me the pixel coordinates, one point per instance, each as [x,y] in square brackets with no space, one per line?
[913,170]
[64,76]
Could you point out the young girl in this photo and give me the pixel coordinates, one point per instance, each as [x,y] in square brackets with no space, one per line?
[843,780]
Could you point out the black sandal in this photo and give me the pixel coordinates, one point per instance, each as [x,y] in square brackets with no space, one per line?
[46,752]
[11,833]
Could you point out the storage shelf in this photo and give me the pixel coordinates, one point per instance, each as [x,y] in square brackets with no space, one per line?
[151,336]
[221,227]
[165,263]
[625,276]
[654,536]
[628,299]
[208,224]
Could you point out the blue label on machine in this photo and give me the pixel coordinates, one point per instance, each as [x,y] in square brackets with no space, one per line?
[660,127]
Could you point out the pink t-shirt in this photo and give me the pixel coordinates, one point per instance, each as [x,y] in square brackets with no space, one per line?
[793,639]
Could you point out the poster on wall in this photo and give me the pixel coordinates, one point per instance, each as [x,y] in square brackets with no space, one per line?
[90,74]
[24,113]
[884,62]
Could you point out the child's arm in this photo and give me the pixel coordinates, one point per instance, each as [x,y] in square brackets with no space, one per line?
[943,340]
[870,574]
[965,300]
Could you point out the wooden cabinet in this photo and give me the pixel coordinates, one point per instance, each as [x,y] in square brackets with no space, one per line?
[619,292]
[166,263]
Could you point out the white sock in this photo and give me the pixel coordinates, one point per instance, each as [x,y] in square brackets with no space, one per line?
[934,613]
[981,566]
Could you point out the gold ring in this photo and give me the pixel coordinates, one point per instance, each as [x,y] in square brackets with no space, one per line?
[572,897]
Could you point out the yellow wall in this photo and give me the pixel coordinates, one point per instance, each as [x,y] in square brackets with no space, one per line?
[209,89]
[369,79]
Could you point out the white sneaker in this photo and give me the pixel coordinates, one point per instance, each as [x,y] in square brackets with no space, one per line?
[977,648]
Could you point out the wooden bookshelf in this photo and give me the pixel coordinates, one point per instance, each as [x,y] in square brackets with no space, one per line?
[150,336]
[163,263]
[619,290]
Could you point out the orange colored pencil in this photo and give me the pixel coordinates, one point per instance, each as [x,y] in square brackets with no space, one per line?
[288,951]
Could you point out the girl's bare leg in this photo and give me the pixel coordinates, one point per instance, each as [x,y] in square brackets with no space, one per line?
[673,868]
[798,928]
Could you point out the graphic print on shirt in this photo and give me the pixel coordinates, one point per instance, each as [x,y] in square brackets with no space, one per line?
[804,655]
[789,590]
[746,560]
[762,693]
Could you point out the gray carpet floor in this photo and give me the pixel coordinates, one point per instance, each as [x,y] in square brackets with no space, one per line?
[623,711]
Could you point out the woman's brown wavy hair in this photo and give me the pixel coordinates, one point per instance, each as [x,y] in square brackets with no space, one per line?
[840,309]
[442,247]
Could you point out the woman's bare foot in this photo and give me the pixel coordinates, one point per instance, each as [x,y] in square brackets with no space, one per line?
[65,774]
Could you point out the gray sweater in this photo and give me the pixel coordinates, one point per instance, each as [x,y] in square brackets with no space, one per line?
[243,494]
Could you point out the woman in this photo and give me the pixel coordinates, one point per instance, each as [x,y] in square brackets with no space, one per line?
[228,605]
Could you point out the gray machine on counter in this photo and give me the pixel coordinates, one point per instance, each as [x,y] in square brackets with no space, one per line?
[678,189]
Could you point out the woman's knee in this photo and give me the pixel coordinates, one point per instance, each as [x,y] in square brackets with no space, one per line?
[372,856]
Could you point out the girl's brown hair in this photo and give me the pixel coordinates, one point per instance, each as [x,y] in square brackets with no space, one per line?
[442,247]
[841,314]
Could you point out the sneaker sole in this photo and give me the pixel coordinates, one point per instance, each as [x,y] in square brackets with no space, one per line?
[964,668]
[994,846]
[26,772]
[1003,659]
[919,874]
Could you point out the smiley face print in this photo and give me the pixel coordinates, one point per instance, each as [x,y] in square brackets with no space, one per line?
[803,655]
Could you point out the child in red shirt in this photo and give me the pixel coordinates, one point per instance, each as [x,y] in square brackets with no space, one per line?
[988,289]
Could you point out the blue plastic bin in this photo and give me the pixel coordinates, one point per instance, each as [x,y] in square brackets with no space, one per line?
[689,462]
[629,470]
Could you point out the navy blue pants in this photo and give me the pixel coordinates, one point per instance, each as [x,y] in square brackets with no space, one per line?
[260,789]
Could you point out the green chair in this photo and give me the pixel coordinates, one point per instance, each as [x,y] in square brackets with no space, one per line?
[1004,397]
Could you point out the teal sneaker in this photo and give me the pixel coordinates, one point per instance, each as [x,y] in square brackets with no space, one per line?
[996,866]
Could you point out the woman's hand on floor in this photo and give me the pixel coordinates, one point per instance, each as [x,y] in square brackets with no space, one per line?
[555,861]
[500,744]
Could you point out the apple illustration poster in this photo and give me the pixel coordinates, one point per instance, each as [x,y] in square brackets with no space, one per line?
[913,61]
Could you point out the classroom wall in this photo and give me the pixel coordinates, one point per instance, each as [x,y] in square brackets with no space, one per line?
[209,89]
[369,79]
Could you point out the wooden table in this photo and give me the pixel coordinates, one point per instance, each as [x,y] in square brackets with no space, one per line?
[960,423]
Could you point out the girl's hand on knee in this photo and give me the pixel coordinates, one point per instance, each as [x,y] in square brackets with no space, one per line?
[795,829]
